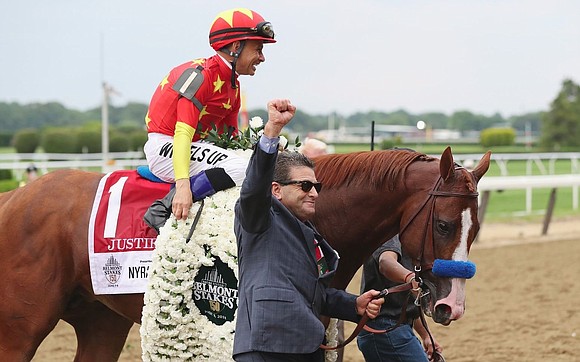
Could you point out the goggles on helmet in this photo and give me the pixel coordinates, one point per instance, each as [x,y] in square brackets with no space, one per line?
[263,29]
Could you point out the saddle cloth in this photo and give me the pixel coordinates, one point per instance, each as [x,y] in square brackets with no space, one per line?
[120,243]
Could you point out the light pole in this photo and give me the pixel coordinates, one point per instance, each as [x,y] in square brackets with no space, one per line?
[107,92]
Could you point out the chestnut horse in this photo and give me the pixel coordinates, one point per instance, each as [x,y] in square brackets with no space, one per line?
[368,197]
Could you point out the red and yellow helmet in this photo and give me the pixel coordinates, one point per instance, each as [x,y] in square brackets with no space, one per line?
[239,24]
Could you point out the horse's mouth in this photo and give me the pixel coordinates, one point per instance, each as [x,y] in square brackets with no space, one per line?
[441,313]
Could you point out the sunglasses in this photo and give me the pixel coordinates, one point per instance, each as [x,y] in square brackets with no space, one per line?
[306,186]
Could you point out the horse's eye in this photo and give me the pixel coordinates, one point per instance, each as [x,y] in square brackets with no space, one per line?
[443,227]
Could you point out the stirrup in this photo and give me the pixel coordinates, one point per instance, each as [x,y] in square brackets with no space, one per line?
[158,213]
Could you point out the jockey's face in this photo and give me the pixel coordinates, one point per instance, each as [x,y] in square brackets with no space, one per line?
[300,203]
[250,57]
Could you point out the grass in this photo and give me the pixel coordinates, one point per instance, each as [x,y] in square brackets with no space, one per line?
[7,185]
[511,204]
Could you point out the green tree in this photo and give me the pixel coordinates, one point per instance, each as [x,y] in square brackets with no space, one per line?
[490,137]
[119,143]
[26,140]
[528,121]
[467,121]
[399,117]
[435,120]
[561,124]
[6,139]
[137,140]
[59,140]
[89,141]
[14,116]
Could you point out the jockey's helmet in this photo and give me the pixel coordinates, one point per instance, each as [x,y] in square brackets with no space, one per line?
[239,24]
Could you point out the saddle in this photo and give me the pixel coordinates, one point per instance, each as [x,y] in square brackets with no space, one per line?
[203,184]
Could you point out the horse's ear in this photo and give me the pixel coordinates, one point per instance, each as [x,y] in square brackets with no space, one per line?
[482,166]
[447,165]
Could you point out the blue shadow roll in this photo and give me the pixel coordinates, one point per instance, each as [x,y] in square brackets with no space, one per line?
[453,269]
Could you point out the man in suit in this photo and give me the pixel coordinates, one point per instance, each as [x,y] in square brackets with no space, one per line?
[285,266]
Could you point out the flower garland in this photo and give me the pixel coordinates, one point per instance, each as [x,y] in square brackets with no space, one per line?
[245,139]
[172,326]
[332,340]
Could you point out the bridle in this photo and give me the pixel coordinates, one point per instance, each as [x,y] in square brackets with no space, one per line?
[424,261]
[426,257]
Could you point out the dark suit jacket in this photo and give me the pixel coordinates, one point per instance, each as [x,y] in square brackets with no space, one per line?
[281,295]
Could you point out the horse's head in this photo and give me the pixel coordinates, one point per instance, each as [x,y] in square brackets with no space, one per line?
[369,197]
[438,228]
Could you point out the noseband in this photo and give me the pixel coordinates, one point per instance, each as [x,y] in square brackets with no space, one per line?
[426,258]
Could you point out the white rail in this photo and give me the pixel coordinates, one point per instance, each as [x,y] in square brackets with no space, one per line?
[46,162]
[553,182]
[528,183]
[545,163]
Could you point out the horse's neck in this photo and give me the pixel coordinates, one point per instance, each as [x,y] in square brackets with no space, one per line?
[359,213]
[355,222]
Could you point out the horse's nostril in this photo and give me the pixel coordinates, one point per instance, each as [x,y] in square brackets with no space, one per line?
[443,312]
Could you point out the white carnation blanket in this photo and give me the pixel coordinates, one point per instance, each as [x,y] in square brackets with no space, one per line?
[172,326]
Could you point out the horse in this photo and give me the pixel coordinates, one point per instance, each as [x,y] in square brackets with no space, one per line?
[367,198]
[432,204]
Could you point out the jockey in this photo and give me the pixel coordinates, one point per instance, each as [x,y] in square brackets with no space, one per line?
[194,98]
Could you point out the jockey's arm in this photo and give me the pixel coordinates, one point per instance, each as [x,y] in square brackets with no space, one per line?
[184,132]
[182,150]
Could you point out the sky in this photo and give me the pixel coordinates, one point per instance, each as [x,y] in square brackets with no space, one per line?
[484,56]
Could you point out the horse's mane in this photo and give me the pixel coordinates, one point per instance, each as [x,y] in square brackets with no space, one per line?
[369,168]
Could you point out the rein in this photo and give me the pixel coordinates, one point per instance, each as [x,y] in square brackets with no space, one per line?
[365,318]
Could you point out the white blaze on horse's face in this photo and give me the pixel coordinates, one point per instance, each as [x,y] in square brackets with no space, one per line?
[456,298]
[460,253]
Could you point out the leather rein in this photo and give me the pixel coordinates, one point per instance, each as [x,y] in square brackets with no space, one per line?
[365,318]
[419,267]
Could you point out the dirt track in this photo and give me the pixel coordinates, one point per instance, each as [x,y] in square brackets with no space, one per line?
[522,305]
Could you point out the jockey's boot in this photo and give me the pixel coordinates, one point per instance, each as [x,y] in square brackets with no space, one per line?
[158,213]
[203,184]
